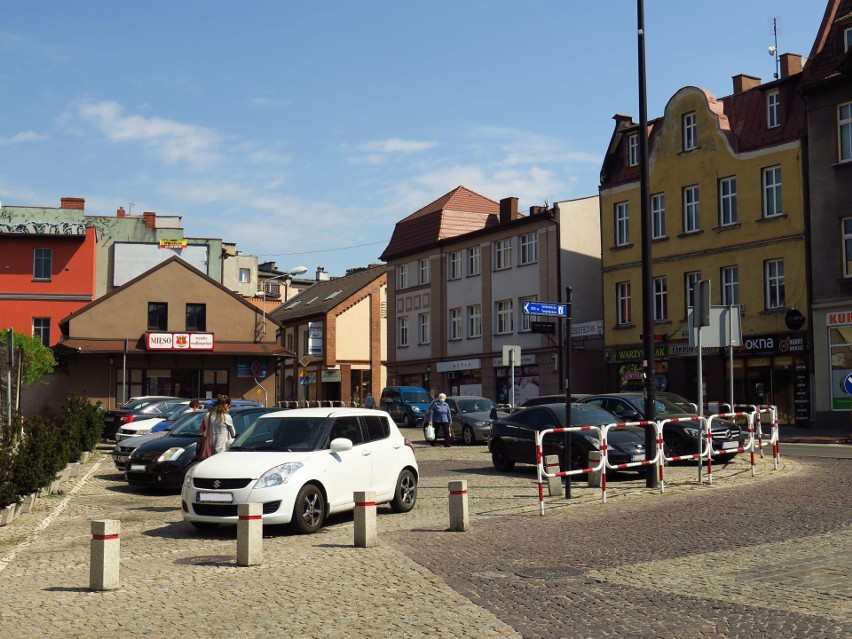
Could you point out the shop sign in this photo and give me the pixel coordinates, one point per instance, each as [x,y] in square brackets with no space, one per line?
[587,329]
[253,369]
[758,362]
[461,365]
[777,344]
[841,318]
[173,243]
[637,353]
[315,331]
[525,360]
[331,376]
[179,341]
[685,350]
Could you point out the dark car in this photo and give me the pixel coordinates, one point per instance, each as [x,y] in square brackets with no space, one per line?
[549,399]
[175,413]
[136,408]
[513,437]
[161,463]
[471,418]
[681,438]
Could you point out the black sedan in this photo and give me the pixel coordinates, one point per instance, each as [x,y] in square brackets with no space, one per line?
[680,438]
[161,463]
[513,437]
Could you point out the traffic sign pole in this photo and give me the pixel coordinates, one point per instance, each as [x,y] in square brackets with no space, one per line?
[567,446]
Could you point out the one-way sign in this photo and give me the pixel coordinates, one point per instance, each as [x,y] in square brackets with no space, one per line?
[545,308]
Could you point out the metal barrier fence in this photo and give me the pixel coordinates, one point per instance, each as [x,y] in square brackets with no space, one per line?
[316,403]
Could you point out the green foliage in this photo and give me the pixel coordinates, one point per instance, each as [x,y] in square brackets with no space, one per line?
[8,489]
[38,358]
[84,424]
[41,454]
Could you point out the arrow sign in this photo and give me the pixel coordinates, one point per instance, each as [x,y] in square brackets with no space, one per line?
[545,308]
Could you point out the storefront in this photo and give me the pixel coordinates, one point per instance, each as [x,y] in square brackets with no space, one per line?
[526,383]
[832,352]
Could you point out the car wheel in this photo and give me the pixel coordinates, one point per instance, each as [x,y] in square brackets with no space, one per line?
[500,458]
[205,526]
[467,435]
[309,511]
[405,495]
[406,422]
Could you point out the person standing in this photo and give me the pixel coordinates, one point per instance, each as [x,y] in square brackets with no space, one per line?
[440,417]
[369,401]
[220,426]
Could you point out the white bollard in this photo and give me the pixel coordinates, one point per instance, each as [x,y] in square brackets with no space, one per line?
[595,475]
[459,521]
[554,484]
[250,534]
[366,535]
[104,555]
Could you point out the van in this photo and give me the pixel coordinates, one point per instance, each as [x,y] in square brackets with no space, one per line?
[407,405]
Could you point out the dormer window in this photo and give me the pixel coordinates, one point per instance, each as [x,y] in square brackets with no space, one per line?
[633,150]
[690,137]
[773,109]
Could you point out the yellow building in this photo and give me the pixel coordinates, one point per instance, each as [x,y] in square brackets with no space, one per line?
[726,205]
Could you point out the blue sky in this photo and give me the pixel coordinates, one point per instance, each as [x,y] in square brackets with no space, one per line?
[302,131]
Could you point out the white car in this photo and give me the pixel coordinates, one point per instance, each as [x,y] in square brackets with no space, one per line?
[303,465]
[136,428]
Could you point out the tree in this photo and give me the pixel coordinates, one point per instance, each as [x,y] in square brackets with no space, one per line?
[38,359]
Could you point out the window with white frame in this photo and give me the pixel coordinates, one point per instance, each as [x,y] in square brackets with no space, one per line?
[454,265]
[402,276]
[690,283]
[727,201]
[42,264]
[847,38]
[474,320]
[658,216]
[690,132]
[402,331]
[424,271]
[503,254]
[41,330]
[622,223]
[455,324]
[730,276]
[846,231]
[504,317]
[474,261]
[771,177]
[525,325]
[529,248]
[623,309]
[633,150]
[661,299]
[423,328]
[844,131]
[774,278]
[773,109]
[245,276]
[691,210]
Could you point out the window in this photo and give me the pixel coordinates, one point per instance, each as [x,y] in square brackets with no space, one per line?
[846,232]
[402,331]
[526,320]
[658,216]
[772,191]
[844,125]
[42,264]
[622,223]
[474,261]
[730,276]
[245,276]
[454,265]
[424,272]
[661,299]
[529,248]
[773,109]
[774,277]
[690,282]
[474,320]
[402,276]
[158,316]
[41,330]
[196,317]
[503,254]
[423,328]
[456,324]
[727,201]
[633,150]
[624,313]
[691,215]
[847,38]
[689,132]
[504,317]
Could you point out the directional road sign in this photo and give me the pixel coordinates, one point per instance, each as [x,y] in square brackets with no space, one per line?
[545,308]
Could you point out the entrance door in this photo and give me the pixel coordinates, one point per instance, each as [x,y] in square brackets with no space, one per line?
[185,383]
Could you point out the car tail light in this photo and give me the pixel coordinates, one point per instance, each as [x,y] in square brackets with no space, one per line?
[407,442]
[126,419]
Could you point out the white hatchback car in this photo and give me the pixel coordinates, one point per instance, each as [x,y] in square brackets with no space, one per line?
[303,465]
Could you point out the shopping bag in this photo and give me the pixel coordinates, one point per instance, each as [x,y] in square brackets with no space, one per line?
[429,432]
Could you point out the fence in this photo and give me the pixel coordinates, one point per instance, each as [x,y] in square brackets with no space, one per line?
[316,403]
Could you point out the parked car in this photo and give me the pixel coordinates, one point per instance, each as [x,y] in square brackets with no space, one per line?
[303,465]
[471,418]
[121,451]
[513,437]
[162,462]
[681,438]
[135,408]
[405,404]
[549,399]
[172,412]
[680,400]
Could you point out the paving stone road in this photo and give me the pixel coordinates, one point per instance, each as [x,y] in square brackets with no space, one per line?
[767,556]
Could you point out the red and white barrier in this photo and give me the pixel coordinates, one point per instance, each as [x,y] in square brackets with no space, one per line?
[748,446]
[539,458]
[658,449]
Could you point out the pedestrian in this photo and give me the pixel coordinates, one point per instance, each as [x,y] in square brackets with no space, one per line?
[194,405]
[369,400]
[440,417]
[219,425]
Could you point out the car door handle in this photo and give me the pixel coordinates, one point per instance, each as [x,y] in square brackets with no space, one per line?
[366,453]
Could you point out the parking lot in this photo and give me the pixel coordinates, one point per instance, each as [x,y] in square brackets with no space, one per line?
[515,573]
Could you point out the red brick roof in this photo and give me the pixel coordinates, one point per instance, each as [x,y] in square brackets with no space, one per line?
[828,60]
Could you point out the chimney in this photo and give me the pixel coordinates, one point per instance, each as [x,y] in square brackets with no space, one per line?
[150,219]
[791,64]
[508,209]
[322,276]
[77,203]
[537,210]
[743,82]
[121,212]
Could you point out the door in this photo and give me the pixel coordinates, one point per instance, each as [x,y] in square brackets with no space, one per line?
[348,471]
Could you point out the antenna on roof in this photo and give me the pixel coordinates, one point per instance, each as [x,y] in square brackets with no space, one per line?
[773,49]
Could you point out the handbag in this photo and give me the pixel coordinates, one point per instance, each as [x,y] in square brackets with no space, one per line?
[203,449]
[429,432]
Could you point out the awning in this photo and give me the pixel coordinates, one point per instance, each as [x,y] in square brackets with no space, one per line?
[137,347]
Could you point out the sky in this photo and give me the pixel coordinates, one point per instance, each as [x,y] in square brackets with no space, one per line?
[303,131]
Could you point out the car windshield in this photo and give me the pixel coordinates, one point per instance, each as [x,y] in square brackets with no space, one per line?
[474,405]
[137,404]
[175,411]
[416,397]
[286,434]
[189,425]
[661,406]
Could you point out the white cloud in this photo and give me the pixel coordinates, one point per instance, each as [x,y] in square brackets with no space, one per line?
[396,145]
[23,137]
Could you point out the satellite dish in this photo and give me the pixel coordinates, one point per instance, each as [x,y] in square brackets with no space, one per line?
[772,50]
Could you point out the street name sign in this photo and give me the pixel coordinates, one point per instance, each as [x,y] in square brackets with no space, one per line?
[545,308]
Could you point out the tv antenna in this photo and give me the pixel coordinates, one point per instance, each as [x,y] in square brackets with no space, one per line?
[773,48]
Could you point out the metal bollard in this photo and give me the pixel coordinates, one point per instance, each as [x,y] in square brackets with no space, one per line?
[459,521]
[366,535]
[554,484]
[249,534]
[104,554]
[595,475]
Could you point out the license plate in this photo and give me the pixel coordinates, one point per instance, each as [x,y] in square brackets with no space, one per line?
[137,467]
[121,458]
[726,445]
[637,457]
[222,498]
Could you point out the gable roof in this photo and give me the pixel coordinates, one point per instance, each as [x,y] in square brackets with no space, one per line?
[828,61]
[458,212]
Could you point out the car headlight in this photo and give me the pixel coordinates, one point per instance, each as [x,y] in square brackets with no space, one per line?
[414,409]
[482,424]
[171,454]
[187,479]
[278,475]
[693,432]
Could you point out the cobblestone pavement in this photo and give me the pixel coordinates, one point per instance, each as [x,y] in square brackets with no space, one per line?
[744,557]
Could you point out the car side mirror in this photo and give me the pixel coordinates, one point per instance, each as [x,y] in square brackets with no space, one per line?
[493,413]
[341,444]
[631,416]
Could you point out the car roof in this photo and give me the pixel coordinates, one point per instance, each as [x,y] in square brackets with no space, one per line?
[326,412]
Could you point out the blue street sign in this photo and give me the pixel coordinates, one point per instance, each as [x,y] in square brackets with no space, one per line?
[847,384]
[545,308]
